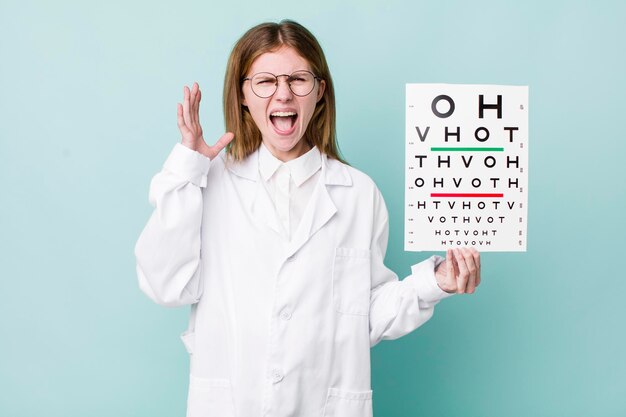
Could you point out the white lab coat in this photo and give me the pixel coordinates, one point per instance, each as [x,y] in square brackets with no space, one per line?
[277,328]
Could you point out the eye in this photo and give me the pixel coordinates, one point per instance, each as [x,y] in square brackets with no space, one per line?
[264,81]
[300,77]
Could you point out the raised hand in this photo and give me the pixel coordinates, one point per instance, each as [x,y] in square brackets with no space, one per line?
[190,128]
[460,272]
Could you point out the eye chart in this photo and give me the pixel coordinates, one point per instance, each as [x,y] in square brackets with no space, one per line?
[466,167]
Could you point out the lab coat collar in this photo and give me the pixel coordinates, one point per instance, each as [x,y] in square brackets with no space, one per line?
[300,169]
[319,211]
[268,163]
[334,172]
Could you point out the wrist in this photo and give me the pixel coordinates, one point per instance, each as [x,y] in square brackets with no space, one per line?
[189,144]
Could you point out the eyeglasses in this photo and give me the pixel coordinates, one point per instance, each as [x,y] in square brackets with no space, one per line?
[264,84]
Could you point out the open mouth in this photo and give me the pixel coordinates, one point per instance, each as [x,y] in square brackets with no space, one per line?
[284,121]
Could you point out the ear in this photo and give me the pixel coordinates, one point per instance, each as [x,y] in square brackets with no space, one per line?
[320,90]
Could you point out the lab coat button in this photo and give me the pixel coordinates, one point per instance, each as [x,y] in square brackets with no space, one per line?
[285,314]
[277,376]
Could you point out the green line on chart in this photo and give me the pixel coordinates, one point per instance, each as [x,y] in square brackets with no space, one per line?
[467,149]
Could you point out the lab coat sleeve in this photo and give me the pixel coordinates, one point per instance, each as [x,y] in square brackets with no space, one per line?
[398,307]
[168,249]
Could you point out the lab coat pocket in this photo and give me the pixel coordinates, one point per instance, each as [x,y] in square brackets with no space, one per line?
[210,397]
[351,281]
[340,403]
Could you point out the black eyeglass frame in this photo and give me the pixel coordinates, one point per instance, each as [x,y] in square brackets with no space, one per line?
[315,78]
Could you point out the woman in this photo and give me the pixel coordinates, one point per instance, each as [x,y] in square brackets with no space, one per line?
[278,245]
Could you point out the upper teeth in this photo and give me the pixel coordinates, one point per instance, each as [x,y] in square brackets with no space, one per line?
[283,113]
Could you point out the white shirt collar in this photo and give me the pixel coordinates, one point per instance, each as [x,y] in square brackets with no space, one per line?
[302,168]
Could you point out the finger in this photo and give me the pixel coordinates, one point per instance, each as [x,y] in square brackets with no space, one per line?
[476,256]
[197,112]
[194,102]
[181,122]
[222,142]
[186,105]
[450,275]
[471,267]
[461,279]
[198,104]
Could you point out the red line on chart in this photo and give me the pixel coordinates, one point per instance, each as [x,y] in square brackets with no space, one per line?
[452,195]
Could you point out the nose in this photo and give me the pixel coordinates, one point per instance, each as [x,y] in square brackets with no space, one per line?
[283,92]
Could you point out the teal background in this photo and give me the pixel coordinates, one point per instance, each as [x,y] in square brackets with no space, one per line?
[88,94]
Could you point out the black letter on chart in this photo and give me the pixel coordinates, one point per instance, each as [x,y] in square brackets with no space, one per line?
[457,134]
[436,100]
[419,132]
[441,161]
[511,130]
[482,106]
[420,157]
[510,161]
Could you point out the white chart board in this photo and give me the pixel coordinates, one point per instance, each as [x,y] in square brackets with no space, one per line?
[466,167]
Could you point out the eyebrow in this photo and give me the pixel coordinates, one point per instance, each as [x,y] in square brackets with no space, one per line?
[283,73]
